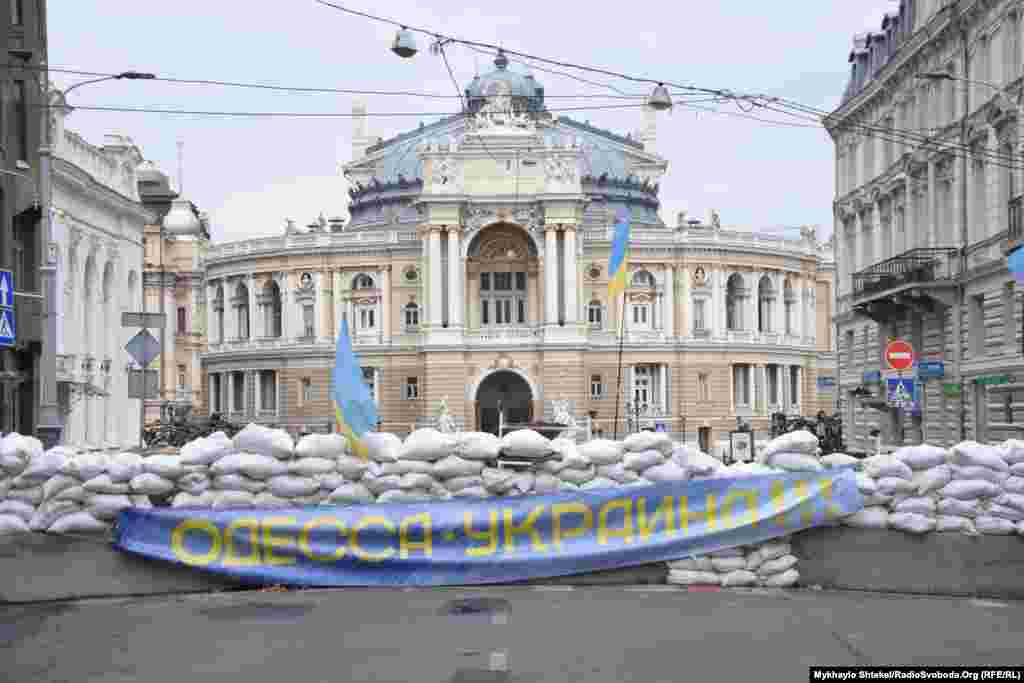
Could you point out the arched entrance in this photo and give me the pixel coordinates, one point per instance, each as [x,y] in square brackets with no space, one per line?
[508,392]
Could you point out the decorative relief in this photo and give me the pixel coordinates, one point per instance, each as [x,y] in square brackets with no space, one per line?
[700,277]
[411,274]
[559,171]
[593,271]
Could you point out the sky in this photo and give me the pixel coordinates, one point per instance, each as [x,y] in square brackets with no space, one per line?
[252,174]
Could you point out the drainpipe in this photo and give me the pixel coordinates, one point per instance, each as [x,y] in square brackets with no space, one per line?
[964,235]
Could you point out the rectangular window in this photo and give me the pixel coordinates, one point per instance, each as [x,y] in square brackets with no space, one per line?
[741,384]
[181,320]
[17,12]
[521,307]
[181,377]
[773,384]
[643,385]
[703,387]
[976,329]
[1009,321]
[370,379]
[412,316]
[238,392]
[215,382]
[307,390]
[268,390]
[485,312]
[594,316]
[698,315]
[412,388]
[640,314]
[521,282]
[309,328]
[19,119]
[485,282]
[503,282]
[596,387]
[367,319]
[794,385]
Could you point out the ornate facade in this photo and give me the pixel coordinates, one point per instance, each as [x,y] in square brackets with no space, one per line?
[473,271]
[922,226]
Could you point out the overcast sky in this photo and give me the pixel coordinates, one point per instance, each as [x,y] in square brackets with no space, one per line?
[251,174]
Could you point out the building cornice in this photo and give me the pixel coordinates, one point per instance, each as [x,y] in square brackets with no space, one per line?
[77,181]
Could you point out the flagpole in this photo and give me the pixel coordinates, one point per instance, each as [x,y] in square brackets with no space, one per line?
[618,386]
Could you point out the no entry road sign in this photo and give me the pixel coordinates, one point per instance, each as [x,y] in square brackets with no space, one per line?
[899,355]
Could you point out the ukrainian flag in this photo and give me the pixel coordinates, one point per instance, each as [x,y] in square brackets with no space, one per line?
[354,408]
[617,267]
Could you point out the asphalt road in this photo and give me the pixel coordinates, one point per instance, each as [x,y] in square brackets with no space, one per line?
[613,634]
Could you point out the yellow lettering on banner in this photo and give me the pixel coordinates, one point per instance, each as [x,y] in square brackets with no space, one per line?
[490,536]
[307,548]
[270,541]
[626,532]
[358,550]
[232,558]
[405,545]
[778,496]
[527,528]
[825,486]
[804,496]
[705,516]
[559,509]
[749,497]
[187,556]
[646,525]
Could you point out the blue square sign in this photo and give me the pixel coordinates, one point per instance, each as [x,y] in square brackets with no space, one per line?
[6,289]
[8,335]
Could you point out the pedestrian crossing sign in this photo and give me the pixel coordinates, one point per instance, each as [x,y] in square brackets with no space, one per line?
[901,393]
[7,331]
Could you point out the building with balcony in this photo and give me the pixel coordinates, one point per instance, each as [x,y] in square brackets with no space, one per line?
[928,196]
[473,270]
[98,221]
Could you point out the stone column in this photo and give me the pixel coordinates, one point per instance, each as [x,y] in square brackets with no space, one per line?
[910,214]
[750,388]
[933,207]
[436,275]
[386,313]
[760,395]
[318,305]
[253,307]
[257,392]
[857,257]
[879,247]
[551,275]
[211,315]
[993,216]
[717,312]
[669,303]
[779,304]
[663,387]
[454,278]
[569,267]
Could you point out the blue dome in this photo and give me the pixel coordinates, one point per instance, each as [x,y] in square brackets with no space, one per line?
[526,92]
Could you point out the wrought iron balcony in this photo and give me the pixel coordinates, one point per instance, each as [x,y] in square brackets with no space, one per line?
[1015,224]
[926,265]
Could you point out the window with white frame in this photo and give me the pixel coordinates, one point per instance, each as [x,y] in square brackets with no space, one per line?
[642,278]
[641,315]
[794,385]
[268,390]
[645,385]
[362,281]
[596,387]
[595,314]
[308,321]
[370,379]
[741,384]
[238,392]
[503,298]
[733,302]
[215,396]
[772,372]
[412,388]
[412,316]
[703,387]
[366,316]
[307,389]
[698,315]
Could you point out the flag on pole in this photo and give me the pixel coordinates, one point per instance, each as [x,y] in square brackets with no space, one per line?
[617,266]
[1015,263]
[354,408]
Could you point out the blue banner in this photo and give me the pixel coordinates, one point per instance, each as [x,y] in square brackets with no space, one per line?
[498,540]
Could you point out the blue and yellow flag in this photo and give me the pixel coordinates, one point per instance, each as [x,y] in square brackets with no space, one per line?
[617,266]
[353,404]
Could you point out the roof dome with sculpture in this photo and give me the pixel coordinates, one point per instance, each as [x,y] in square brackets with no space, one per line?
[525,92]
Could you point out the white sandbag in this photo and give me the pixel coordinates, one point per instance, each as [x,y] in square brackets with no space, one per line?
[311,466]
[202,451]
[428,445]
[569,486]
[723,565]
[772,550]
[525,443]
[253,465]
[569,456]
[478,446]
[794,462]
[786,579]
[351,467]
[497,480]
[330,481]
[649,441]
[103,484]
[969,489]
[1014,485]
[524,483]
[911,522]
[28,447]
[602,451]
[328,446]
[239,482]
[77,523]
[140,501]
[552,466]
[382,446]
[18,508]
[227,500]
[1004,512]
[12,524]
[350,494]
[801,441]
[692,564]
[578,477]
[839,460]
[379,485]
[400,496]
[50,511]
[458,483]
[187,500]
[695,462]
[288,486]
[32,495]
[472,492]
[106,507]
[666,472]
[640,461]
[416,480]
[995,526]
[954,524]
[976,472]
[44,465]
[194,483]
[269,500]
[921,457]
[932,479]
[275,443]
[744,469]
[922,505]
[1017,469]
[682,577]
[315,498]
[970,453]
[740,577]
[58,483]
[866,485]
[599,483]
[454,466]
[884,466]
[12,464]
[954,507]
[777,566]
[1013,451]
[1013,500]
[894,486]
[166,466]
[150,484]
[76,493]
[617,473]
[874,517]
[123,466]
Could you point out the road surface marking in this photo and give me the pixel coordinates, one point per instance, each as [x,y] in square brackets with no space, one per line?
[988,603]
[559,589]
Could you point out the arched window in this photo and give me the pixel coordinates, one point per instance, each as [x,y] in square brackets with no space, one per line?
[595,314]
[242,308]
[272,303]
[733,302]
[790,299]
[88,296]
[362,281]
[412,317]
[642,278]
[218,310]
[765,297]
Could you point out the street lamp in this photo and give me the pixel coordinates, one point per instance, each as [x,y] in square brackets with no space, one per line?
[129,75]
